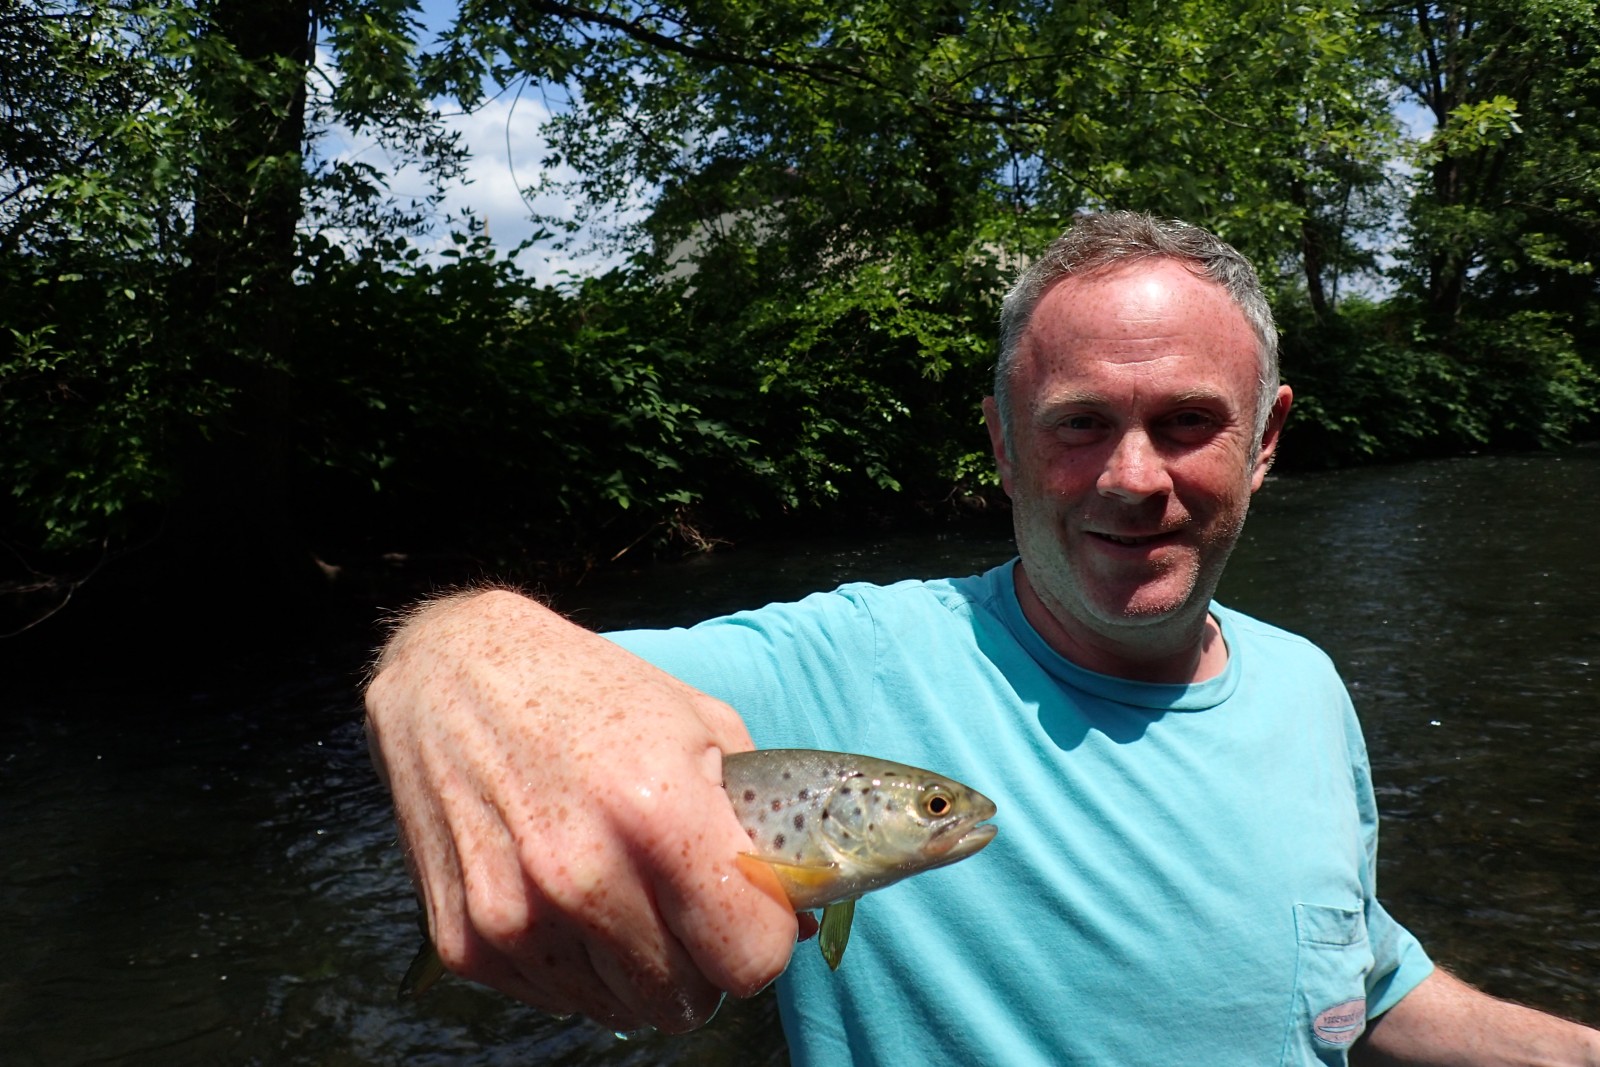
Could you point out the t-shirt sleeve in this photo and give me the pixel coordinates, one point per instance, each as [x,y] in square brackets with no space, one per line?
[1399,961]
[791,671]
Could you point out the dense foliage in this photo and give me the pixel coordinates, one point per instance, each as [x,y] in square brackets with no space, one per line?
[223,347]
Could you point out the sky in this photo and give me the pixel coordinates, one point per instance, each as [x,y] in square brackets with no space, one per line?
[504,139]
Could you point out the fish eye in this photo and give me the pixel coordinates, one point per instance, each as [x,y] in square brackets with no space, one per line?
[937,803]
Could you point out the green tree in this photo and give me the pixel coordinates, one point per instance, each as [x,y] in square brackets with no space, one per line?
[821,129]
[154,180]
[1505,222]
[1509,176]
[220,342]
[851,185]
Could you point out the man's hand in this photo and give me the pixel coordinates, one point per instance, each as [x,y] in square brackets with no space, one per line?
[561,807]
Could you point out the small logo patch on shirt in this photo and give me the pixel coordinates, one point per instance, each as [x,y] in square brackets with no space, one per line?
[1342,1023]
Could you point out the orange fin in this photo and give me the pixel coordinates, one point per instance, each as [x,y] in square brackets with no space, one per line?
[759,874]
[800,882]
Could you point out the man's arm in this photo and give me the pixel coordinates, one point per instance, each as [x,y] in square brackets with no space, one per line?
[560,804]
[1446,1023]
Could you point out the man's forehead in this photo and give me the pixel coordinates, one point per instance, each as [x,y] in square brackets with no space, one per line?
[1153,287]
[1150,336]
[1139,312]
[1071,395]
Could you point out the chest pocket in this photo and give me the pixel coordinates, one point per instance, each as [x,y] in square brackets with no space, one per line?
[1332,962]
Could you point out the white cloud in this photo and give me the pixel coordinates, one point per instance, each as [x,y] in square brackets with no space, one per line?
[505,138]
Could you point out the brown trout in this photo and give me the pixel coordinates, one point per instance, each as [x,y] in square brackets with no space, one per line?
[831,827]
[834,826]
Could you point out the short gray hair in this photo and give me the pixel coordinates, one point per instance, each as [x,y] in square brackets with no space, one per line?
[1098,242]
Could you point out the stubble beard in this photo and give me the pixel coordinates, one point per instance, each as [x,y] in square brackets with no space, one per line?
[1054,572]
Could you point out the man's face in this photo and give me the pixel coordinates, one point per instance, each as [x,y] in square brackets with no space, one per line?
[1133,452]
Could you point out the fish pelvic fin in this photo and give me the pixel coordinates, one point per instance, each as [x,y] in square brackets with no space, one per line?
[426,968]
[834,934]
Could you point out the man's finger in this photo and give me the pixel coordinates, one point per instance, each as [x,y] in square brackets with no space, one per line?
[740,935]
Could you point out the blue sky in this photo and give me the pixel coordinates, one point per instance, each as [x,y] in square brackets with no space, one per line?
[503,136]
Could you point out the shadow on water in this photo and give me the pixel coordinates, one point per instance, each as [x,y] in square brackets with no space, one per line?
[208,876]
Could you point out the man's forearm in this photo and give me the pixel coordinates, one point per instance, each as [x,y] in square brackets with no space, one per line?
[1446,1023]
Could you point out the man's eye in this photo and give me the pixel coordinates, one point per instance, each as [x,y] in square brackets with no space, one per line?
[1192,420]
[1079,422]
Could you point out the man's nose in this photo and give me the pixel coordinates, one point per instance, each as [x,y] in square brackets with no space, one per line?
[1134,469]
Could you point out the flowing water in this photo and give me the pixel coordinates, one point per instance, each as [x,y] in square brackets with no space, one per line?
[208,876]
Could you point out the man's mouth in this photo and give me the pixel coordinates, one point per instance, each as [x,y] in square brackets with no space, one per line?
[1128,539]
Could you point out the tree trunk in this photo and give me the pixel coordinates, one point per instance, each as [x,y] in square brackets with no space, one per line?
[233,527]
[1313,252]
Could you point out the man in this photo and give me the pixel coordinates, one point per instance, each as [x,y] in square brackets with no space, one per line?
[1186,863]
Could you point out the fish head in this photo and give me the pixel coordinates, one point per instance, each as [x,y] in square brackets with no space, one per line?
[902,820]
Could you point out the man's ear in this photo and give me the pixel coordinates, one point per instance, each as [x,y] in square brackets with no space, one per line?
[997,442]
[1270,436]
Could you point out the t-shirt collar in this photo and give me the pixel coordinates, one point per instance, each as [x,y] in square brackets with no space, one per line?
[1162,696]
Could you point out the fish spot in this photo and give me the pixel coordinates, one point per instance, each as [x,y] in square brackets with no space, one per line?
[749,796]
[799,822]
[777,842]
[752,832]
[777,805]
[845,790]
[859,811]
[787,775]
[805,794]
[824,813]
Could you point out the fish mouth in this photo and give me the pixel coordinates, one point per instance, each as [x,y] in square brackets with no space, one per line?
[950,847]
[973,840]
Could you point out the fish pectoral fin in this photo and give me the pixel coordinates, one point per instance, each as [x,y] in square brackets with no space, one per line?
[835,932]
[800,881]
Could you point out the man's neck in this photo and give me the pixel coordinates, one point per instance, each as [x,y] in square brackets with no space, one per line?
[1173,651]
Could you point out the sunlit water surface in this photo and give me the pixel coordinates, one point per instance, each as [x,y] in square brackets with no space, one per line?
[211,877]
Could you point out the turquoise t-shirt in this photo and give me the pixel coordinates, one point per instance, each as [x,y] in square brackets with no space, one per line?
[1182,874]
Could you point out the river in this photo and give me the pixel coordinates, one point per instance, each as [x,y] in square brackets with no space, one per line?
[208,875]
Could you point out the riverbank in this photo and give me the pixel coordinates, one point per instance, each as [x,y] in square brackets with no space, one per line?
[147,615]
